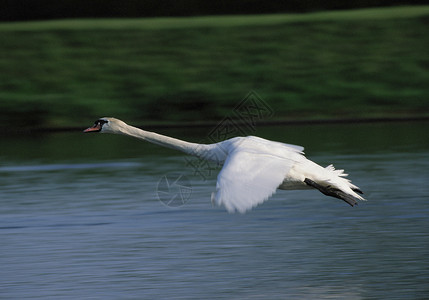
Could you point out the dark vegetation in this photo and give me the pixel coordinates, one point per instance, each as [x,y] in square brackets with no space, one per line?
[367,63]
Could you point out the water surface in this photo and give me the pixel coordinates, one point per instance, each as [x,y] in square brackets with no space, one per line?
[80,218]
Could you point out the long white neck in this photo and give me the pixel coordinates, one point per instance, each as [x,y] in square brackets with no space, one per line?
[205,151]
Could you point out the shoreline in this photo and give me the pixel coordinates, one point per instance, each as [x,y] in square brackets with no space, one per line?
[154,126]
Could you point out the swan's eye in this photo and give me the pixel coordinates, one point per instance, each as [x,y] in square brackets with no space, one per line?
[101,122]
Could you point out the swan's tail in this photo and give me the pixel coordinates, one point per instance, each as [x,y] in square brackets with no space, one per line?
[335,185]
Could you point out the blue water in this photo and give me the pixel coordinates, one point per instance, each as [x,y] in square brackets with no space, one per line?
[86,222]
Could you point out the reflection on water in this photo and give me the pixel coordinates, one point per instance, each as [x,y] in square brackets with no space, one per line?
[85,222]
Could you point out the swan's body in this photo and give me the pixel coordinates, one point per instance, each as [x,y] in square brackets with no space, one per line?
[253,168]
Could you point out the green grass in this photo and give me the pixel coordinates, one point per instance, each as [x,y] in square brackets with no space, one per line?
[328,65]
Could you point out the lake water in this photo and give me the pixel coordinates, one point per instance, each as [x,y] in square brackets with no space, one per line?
[81,218]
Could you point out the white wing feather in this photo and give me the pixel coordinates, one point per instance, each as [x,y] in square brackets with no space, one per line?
[250,176]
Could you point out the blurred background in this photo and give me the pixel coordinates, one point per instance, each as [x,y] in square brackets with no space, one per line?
[63,63]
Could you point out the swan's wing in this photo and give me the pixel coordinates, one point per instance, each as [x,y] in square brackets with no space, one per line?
[249,178]
[295,147]
[292,147]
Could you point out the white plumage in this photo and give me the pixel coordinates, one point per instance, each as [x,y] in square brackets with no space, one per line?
[253,168]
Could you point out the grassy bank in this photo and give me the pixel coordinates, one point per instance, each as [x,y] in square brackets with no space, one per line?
[331,65]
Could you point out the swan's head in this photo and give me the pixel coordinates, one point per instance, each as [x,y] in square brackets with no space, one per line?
[107,125]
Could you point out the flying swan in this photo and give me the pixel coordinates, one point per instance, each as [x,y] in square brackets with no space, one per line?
[253,168]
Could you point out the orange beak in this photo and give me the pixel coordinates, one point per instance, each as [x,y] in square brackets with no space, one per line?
[95,128]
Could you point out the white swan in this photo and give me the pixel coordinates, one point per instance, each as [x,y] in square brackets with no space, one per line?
[253,168]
